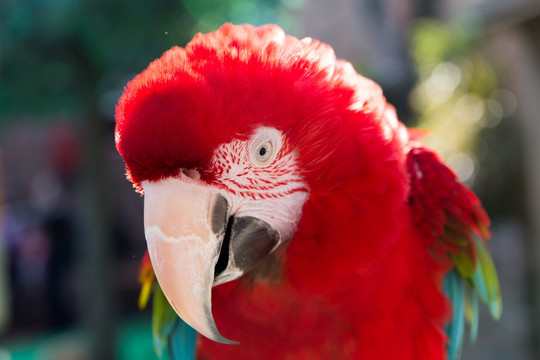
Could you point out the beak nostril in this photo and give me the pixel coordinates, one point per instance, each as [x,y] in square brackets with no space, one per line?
[191,173]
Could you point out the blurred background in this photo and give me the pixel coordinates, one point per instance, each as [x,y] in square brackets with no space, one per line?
[71,235]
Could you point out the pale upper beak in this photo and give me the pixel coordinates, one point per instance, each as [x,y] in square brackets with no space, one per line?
[186,225]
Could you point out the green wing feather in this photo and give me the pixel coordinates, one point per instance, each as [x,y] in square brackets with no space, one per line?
[163,321]
[485,280]
[471,312]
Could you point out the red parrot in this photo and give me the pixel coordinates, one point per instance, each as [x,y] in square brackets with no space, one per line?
[288,214]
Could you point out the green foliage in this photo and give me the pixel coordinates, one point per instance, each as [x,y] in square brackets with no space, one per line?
[211,14]
[55,54]
[433,42]
[457,93]
[73,57]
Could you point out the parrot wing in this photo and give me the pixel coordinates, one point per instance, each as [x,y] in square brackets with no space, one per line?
[173,338]
[456,226]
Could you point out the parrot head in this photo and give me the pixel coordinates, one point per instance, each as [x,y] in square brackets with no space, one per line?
[241,140]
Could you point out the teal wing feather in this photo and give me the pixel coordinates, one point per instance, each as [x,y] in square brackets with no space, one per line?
[464,291]
[182,342]
[454,289]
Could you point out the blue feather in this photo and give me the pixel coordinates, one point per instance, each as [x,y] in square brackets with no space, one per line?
[453,286]
[182,342]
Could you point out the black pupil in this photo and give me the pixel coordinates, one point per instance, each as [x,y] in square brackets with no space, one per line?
[262,151]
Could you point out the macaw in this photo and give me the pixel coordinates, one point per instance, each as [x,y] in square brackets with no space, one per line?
[288,214]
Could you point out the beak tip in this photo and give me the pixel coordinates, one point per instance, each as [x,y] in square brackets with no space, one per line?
[210,330]
[224,340]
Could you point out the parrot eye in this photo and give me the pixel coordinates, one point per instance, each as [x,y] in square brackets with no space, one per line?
[264,152]
[264,145]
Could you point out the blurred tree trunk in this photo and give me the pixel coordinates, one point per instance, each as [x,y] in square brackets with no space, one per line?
[528,90]
[98,302]
[515,34]
[4,286]
[426,8]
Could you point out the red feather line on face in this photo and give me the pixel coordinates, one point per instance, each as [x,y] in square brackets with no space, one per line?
[239,176]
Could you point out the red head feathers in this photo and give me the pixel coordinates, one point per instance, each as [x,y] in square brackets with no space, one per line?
[226,83]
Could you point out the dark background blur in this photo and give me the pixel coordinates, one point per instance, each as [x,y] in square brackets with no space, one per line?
[71,235]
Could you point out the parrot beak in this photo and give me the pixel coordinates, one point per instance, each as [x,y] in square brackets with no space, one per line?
[187,225]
